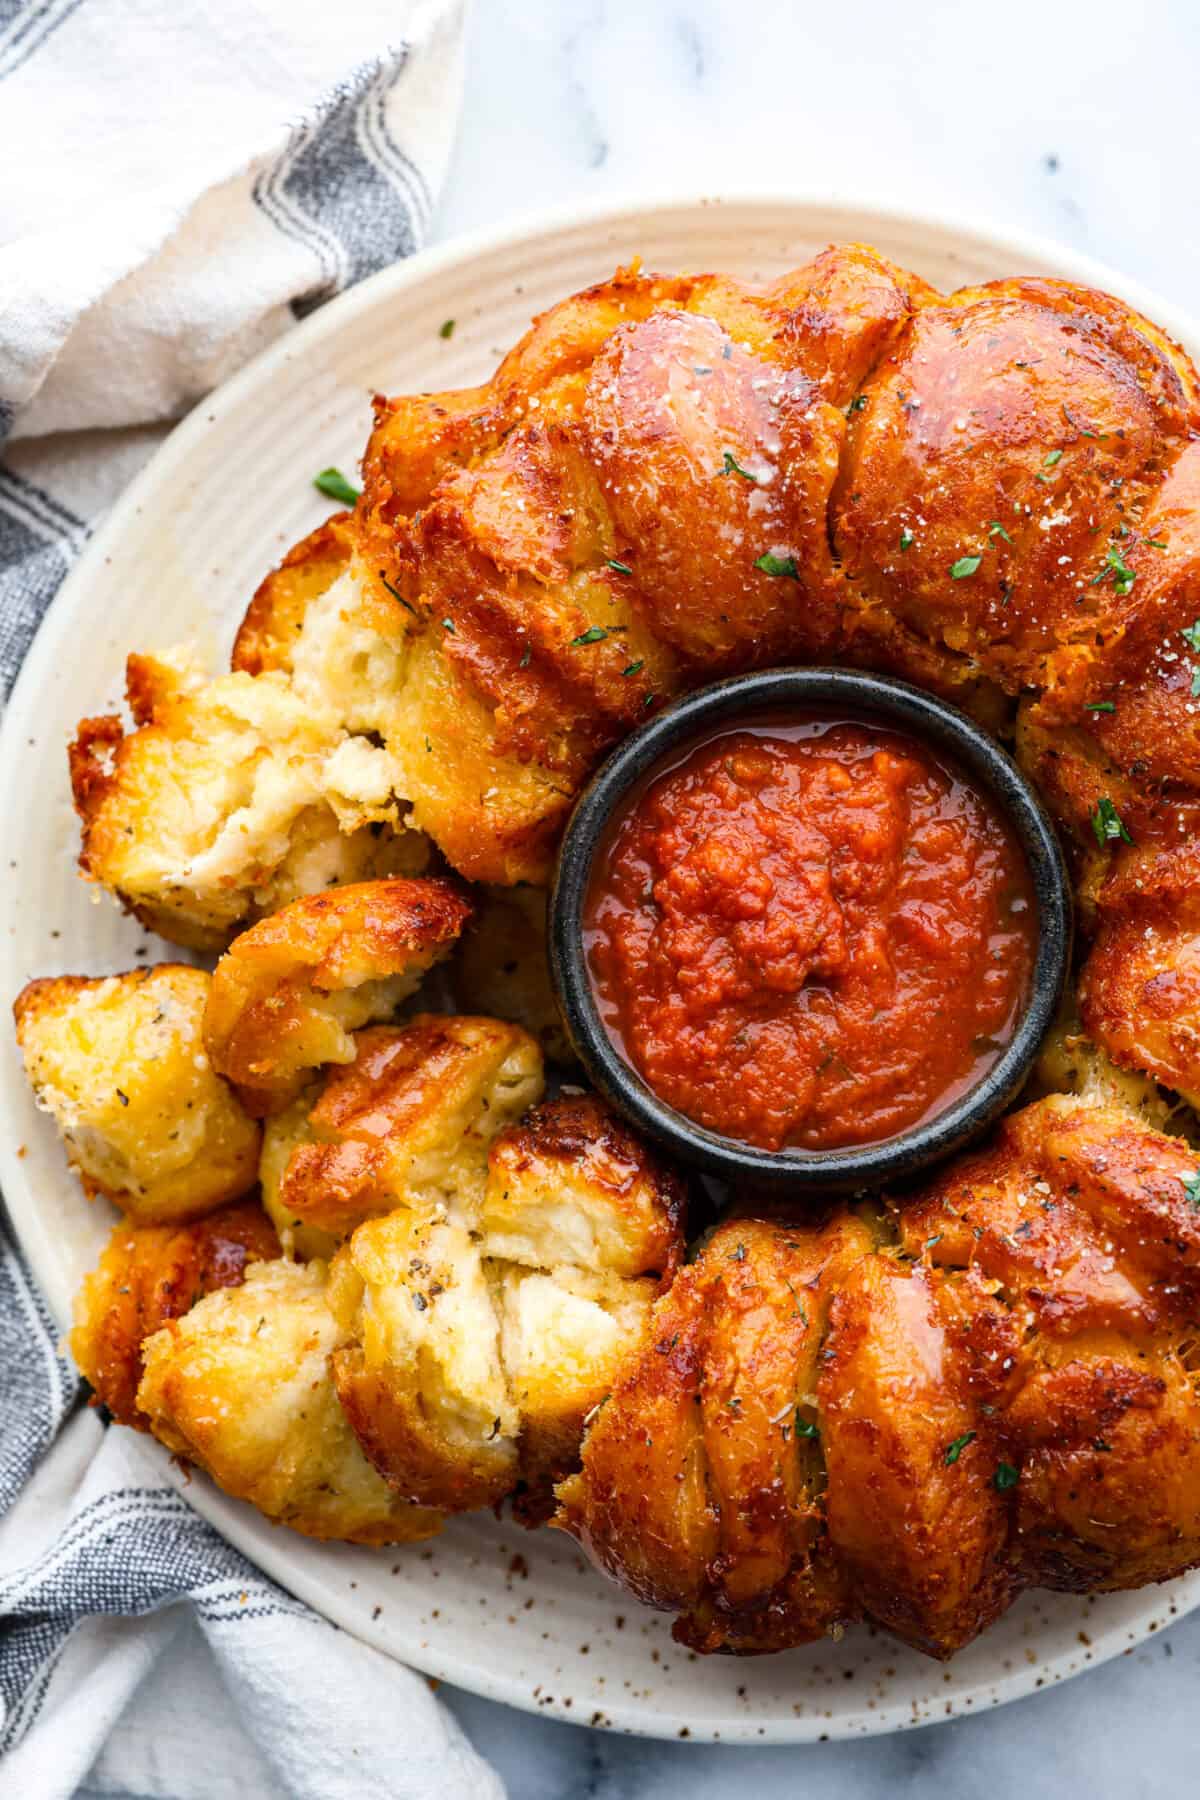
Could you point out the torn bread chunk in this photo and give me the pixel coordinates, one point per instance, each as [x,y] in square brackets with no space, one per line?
[241,1387]
[565,1335]
[149,1274]
[119,1062]
[572,1184]
[423,1385]
[289,993]
[465,1373]
[235,795]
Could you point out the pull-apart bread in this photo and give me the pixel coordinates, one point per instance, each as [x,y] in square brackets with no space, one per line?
[368,1275]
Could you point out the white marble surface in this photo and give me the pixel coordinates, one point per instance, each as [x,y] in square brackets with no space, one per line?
[1073,118]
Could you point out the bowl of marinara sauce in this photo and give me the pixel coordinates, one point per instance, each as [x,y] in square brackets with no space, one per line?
[809,928]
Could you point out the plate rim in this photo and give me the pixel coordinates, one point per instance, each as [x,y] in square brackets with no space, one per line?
[613,213]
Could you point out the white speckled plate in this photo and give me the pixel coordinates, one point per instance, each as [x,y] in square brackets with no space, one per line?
[509,1614]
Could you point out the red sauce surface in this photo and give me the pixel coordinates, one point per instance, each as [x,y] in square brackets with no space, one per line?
[810,934]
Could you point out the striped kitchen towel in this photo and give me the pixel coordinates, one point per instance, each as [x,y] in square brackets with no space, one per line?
[184,182]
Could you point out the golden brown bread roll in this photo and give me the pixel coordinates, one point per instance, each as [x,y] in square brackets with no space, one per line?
[229,799]
[407,1124]
[240,1385]
[119,1062]
[480,1335]
[289,992]
[913,1416]
[494,1273]
[152,1273]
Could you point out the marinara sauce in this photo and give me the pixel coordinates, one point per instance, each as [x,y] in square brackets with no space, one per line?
[810,934]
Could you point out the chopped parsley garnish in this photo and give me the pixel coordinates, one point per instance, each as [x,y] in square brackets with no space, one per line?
[1191,635]
[1157,543]
[954,1450]
[1123,577]
[396,594]
[1100,706]
[619,567]
[1005,1477]
[1108,824]
[592,635]
[806,1428]
[1051,458]
[996,530]
[333,484]
[1195,681]
[857,404]
[966,565]
[633,667]
[738,1254]
[448,625]
[906,539]
[770,564]
[526,657]
[1191,1189]
[734,467]
[1083,430]
[446,328]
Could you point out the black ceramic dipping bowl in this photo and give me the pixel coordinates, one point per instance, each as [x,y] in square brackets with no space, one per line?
[785,692]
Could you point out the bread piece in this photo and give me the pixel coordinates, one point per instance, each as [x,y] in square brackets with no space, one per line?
[149,1274]
[914,1416]
[478,1343]
[999,454]
[289,993]
[240,1386]
[572,1184]
[702,1482]
[423,1384]
[236,795]
[408,1123]
[203,817]
[119,1062]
